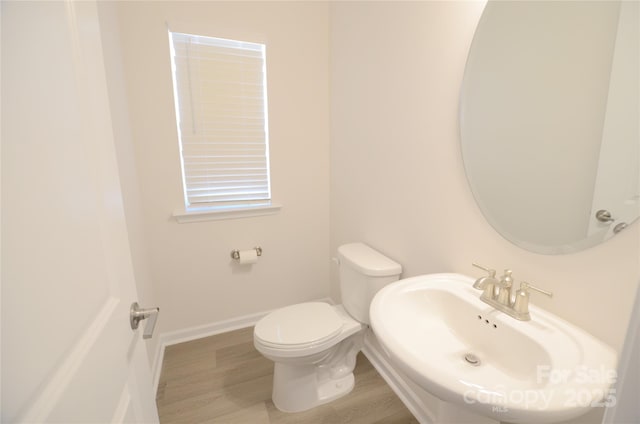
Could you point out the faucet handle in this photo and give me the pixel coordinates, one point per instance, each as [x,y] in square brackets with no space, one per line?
[492,272]
[526,286]
[521,303]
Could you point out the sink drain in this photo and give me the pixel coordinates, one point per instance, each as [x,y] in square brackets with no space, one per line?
[472,359]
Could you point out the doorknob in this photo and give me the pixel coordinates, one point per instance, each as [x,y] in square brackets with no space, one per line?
[137,314]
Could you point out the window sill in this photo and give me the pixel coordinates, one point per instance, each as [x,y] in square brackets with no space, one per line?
[217,213]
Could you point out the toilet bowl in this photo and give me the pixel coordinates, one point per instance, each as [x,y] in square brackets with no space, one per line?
[314,345]
[314,361]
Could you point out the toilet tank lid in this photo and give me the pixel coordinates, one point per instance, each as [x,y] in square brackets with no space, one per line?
[367,260]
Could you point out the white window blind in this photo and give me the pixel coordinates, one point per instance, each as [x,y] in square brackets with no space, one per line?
[221,108]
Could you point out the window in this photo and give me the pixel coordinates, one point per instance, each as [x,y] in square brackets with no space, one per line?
[221,109]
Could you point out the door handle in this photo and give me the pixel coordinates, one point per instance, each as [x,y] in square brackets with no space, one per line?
[137,314]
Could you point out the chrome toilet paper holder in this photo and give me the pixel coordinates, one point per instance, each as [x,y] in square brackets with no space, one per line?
[235,253]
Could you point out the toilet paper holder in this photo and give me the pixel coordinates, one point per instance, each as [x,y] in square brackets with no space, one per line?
[235,253]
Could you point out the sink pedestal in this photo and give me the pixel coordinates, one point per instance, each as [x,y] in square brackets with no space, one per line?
[450,413]
[426,407]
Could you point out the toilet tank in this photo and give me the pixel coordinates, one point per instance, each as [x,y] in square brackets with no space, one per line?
[363,272]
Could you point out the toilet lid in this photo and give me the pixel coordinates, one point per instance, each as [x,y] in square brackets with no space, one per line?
[300,324]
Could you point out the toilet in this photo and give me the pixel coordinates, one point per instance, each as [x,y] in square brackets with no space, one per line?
[314,344]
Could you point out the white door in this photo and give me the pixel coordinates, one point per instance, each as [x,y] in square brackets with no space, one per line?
[68,352]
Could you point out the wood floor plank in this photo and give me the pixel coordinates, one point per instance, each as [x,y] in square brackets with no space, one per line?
[255,414]
[210,405]
[194,384]
[323,414]
[223,379]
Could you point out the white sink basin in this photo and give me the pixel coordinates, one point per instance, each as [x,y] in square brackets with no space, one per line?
[540,371]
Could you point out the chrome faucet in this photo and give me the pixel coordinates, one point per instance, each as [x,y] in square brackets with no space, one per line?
[498,293]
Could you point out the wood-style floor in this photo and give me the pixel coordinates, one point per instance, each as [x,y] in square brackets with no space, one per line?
[223,379]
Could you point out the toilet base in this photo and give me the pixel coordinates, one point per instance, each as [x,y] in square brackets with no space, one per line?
[299,385]
[296,389]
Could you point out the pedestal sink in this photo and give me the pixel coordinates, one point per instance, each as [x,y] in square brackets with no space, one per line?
[437,331]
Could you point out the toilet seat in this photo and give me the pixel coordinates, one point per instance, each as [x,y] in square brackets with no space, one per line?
[299,325]
[303,329]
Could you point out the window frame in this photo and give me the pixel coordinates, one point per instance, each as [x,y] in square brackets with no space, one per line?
[225,209]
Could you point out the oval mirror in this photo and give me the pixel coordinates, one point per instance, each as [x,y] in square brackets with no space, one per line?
[549,121]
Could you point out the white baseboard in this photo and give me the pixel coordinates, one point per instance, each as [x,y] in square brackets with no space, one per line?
[200,331]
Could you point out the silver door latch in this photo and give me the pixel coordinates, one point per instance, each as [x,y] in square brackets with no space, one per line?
[137,314]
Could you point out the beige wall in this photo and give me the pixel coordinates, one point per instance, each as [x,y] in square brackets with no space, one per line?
[193,277]
[397,177]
